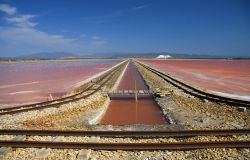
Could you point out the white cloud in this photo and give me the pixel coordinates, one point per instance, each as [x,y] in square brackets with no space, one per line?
[8,9]
[21,37]
[96,38]
[22,20]
[21,41]
[65,31]
[30,40]
[139,7]
[99,43]
[83,36]
[68,31]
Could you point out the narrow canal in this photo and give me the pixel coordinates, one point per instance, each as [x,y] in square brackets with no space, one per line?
[124,110]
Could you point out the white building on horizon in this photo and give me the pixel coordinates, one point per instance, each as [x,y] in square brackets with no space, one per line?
[163,56]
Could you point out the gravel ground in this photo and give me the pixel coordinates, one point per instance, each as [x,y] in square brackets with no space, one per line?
[201,154]
[48,118]
[221,153]
[71,154]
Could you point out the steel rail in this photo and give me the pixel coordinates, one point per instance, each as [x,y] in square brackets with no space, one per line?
[91,84]
[194,91]
[180,133]
[126,146]
[35,107]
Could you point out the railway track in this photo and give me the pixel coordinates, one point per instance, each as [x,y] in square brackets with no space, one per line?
[88,89]
[180,133]
[126,146]
[131,134]
[195,91]
[92,88]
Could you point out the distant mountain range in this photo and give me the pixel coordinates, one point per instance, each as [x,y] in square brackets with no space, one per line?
[45,55]
[68,55]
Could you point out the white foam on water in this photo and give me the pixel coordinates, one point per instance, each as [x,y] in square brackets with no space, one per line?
[19,84]
[201,76]
[236,96]
[21,92]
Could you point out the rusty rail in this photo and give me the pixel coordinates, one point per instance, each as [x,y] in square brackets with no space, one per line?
[180,133]
[126,146]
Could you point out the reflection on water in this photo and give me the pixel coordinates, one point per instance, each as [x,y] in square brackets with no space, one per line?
[124,110]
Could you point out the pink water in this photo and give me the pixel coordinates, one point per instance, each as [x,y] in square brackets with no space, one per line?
[124,110]
[26,82]
[224,77]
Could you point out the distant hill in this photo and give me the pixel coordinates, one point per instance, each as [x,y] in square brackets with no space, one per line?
[154,55]
[49,55]
[68,55]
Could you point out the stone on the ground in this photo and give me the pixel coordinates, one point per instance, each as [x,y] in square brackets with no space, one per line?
[205,100]
[94,139]
[84,154]
[57,139]
[242,109]
[43,153]
[19,138]
[4,151]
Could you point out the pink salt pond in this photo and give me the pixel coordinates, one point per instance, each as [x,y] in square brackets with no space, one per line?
[29,82]
[230,78]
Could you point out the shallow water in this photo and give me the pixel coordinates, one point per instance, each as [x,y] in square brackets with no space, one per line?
[225,77]
[25,82]
[124,110]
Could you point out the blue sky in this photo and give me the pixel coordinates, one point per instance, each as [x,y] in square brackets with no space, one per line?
[215,27]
